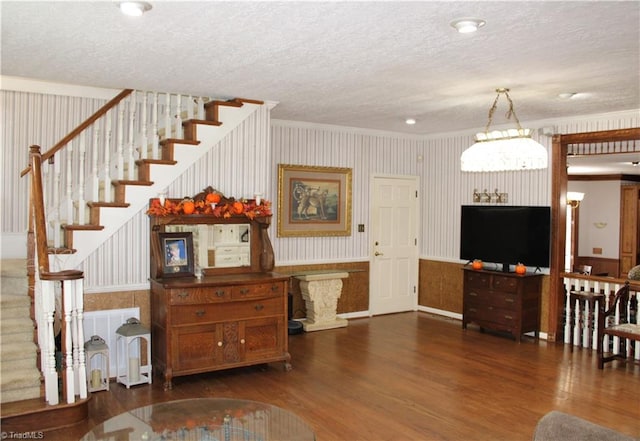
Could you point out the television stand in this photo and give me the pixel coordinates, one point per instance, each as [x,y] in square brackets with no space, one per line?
[507,302]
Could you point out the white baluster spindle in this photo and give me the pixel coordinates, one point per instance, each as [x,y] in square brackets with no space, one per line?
[131,155]
[167,117]
[81,371]
[67,309]
[119,159]
[81,201]
[55,204]
[48,346]
[69,184]
[106,179]
[178,116]
[144,128]
[155,139]
[95,179]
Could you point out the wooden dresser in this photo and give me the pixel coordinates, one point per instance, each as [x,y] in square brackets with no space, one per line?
[218,322]
[233,315]
[500,301]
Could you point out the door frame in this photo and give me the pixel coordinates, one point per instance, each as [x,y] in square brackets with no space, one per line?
[415,179]
[559,183]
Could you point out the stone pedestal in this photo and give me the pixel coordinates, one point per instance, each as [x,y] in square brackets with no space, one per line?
[321,293]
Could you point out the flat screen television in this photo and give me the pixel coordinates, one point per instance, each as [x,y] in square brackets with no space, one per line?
[506,235]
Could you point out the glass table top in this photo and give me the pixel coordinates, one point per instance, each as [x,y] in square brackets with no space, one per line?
[204,419]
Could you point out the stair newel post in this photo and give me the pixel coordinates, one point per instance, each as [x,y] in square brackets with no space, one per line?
[154,126]
[44,302]
[167,117]
[106,181]
[95,180]
[69,184]
[119,160]
[82,151]
[144,138]
[131,156]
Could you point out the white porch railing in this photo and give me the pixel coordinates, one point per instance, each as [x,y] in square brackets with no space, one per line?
[584,333]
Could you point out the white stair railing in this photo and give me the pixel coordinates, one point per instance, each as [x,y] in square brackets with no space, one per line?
[128,132]
[584,333]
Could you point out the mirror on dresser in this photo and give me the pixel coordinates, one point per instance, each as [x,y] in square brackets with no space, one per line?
[219,245]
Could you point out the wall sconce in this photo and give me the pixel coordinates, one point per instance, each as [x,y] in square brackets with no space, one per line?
[599,225]
[574,198]
[485,196]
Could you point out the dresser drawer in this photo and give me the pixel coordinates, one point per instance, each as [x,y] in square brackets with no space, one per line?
[496,299]
[504,283]
[257,290]
[485,315]
[189,296]
[209,313]
[476,280]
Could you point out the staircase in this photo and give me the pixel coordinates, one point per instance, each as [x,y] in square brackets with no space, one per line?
[20,377]
[84,203]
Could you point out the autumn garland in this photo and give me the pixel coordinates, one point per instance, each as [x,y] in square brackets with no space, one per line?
[226,208]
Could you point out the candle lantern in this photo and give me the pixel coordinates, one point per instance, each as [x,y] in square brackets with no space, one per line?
[132,339]
[97,356]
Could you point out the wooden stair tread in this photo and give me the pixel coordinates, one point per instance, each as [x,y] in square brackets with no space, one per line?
[178,141]
[230,103]
[131,182]
[248,101]
[156,161]
[85,227]
[202,121]
[60,250]
[108,204]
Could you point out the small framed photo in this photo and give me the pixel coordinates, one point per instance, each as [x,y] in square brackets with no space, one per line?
[177,254]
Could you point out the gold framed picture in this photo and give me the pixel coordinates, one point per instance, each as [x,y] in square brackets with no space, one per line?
[313,201]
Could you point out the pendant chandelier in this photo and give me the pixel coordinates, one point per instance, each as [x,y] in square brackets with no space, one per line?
[503,150]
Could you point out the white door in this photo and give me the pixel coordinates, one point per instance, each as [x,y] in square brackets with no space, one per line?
[394,245]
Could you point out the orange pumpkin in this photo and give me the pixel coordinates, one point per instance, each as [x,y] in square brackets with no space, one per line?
[188,206]
[212,198]
[521,269]
[476,264]
[238,207]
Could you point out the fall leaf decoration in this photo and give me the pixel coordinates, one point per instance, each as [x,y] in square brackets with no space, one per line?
[205,203]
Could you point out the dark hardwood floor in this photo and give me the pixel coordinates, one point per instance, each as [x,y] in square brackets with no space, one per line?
[410,376]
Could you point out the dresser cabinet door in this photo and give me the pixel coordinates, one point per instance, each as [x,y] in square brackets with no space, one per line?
[196,347]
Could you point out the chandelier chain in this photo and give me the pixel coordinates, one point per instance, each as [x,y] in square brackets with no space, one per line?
[511,112]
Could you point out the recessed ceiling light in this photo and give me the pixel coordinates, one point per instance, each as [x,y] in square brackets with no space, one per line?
[134,9]
[467,25]
[410,121]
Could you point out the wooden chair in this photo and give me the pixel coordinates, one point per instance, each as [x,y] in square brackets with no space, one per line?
[619,324]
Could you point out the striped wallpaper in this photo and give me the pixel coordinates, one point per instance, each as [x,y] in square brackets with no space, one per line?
[246,163]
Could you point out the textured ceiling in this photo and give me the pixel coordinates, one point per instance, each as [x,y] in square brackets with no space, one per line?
[359,64]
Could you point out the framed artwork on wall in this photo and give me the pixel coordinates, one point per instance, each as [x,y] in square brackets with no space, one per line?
[313,201]
[177,254]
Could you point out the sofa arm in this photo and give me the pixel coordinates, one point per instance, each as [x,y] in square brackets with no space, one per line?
[559,426]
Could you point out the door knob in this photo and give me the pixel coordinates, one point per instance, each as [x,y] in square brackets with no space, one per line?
[378,254]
